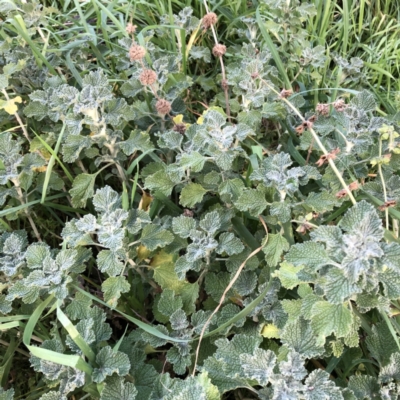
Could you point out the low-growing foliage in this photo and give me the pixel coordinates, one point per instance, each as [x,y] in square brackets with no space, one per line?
[199,201]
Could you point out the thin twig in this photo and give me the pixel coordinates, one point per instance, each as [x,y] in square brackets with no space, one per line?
[309,151]
[231,283]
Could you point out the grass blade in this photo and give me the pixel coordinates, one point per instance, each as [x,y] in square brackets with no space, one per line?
[146,327]
[75,335]
[273,50]
[49,355]
[51,164]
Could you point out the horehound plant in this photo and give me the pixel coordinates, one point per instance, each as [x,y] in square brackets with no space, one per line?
[221,237]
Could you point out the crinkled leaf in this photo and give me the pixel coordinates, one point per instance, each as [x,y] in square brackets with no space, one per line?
[330,318]
[300,337]
[110,362]
[274,248]
[309,253]
[192,194]
[258,366]
[229,244]
[115,388]
[154,236]
[113,287]
[82,189]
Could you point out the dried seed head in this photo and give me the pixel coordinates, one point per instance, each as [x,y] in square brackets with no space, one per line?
[136,52]
[209,20]
[219,50]
[130,28]
[303,228]
[387,204]
[148,77]
[387,156]
[330,156]
[299,130]
[163,106]
[341,193]
[285,93]
[180,128]
[353,185]
[322,109]
[322,160]
[339,105]
[188,213]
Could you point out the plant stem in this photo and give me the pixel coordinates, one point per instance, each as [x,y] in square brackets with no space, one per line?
[383,185]
[231,283]
[224,83]
[320,145]
[22,201]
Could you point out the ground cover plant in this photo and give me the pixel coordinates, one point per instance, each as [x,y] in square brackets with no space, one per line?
[199,200]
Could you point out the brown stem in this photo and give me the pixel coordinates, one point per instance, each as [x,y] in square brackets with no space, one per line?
[22,201]
[309,151]
[231,283]
[143,276]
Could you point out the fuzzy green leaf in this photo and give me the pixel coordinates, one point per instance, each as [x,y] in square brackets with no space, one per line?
[274,248]
[182,226]
[253,201]
[113,287]
[309,253]
[109,262]
[300,337]
[229,244]
[82,189]
[192,194]
[154,236]
[110,362]
[115,388]
[330,318]
[258,366]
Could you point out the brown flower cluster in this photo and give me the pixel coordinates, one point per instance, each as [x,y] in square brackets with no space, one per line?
[130,28]
[325,158]
[209,20]
[163,106]
[219,50]
[285,93]
[322,108]
[339,105]
[148,77]
[136,52]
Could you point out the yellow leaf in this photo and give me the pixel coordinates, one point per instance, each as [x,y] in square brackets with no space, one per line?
[162,258]
[40,169]
[143,252]
[178,119]
[145,202]
[9,106]
[270,331]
